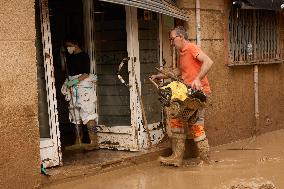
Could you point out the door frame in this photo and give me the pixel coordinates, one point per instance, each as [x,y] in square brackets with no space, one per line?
[50,148]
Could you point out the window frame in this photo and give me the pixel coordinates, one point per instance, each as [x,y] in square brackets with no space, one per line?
[271,56]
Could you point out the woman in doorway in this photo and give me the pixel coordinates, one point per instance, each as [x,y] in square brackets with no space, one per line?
[79,90]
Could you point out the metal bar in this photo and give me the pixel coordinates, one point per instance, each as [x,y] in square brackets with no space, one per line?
[248,32]
[279,49]
[274,29]
[254,35]
[262,37]
[243,34]
[266,37]
[258,35]
[234,34]
[274,26]
[238,37]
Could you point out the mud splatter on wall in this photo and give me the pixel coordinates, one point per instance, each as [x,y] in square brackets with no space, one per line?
[19,148]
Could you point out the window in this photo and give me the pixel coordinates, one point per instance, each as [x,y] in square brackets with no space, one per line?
[254,37]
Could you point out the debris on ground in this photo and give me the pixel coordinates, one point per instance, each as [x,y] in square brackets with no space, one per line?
[255,183]
[244,149]
[265,158]
[43,170]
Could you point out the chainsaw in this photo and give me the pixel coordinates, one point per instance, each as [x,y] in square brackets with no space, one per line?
[182,100]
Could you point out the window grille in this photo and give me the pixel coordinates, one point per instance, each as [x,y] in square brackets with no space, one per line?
[254,37]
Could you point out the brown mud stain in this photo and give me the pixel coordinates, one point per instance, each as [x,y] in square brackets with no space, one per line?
[233,169]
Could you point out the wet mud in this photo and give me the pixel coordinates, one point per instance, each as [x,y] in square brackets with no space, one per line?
[254,163]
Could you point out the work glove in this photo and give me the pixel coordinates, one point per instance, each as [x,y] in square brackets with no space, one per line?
[70,83]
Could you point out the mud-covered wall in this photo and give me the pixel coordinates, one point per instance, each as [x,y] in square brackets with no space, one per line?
[271,91]
[230,114]
[19,147]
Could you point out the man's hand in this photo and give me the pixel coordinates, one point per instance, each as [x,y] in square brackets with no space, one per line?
[70,83]
[196,84]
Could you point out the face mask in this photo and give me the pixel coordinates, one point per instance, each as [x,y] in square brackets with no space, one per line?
[70,50]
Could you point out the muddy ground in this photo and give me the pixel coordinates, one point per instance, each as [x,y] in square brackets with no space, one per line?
[255,163]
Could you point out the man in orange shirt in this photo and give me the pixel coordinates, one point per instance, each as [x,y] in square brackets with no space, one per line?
[193,66]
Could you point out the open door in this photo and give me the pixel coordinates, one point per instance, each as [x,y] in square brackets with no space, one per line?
[109,35]
[116,31]
[50,147]
[150,58]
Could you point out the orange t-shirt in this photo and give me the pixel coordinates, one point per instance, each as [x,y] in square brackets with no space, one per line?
[190,66]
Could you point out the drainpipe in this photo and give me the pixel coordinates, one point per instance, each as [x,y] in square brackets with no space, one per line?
[255,79]
[198,27]
[256,107]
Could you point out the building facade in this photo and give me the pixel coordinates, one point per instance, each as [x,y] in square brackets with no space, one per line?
[246,79]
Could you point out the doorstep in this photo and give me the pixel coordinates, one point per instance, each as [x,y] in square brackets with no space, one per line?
[77,164]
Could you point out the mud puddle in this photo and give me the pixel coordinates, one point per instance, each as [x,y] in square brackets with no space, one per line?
[249,164]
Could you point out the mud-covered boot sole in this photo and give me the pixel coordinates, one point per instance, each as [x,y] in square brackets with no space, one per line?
[165,159]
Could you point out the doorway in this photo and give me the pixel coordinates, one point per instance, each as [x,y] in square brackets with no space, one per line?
[109,32]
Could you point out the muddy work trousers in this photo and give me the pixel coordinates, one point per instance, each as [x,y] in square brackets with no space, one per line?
[192,130]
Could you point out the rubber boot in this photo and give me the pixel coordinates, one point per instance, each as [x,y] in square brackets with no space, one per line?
[203,150]
[93,136]
[163,159]
[178,147]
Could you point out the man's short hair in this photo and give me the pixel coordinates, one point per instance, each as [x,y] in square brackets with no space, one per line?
[181,30]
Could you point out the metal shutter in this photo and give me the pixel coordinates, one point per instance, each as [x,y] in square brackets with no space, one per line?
[159,6]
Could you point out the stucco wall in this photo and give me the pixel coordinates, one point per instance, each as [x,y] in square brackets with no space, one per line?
[19,147]
[230,114]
